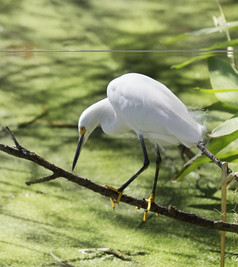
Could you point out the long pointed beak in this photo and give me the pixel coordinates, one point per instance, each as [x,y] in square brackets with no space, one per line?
[79,146]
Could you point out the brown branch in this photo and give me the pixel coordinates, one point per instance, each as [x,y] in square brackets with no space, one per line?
[171,211]
[57,124]
[212,157]
[13,138]
[38,119]
[44,179]
[117,253]
[26,123]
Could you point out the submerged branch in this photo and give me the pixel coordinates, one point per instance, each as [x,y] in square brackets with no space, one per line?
[171,211]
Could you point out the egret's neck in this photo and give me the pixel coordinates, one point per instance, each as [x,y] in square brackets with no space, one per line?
[102,113]
[111,123]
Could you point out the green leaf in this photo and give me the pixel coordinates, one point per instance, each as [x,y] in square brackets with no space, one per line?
[223,76]
[177,38]
[231,157]
[190,166]
[190,61]
[213,91]
[233,25]
[225,128]
[215,146]
[219,106]
[221,45]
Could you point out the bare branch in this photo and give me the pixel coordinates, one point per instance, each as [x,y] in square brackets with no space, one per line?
[13,137]
[26,123]
[57,124]
[171,211]
[212,157]
[44,179]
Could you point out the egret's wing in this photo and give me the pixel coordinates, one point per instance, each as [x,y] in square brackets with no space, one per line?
[148,106]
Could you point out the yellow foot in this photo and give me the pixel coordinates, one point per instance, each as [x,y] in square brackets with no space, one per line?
[118,198]
[150,200]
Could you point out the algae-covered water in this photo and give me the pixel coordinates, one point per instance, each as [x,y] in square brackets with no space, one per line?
[45,86]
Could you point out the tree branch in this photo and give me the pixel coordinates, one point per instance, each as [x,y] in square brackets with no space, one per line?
[171,211]
[212,157]
[44,179]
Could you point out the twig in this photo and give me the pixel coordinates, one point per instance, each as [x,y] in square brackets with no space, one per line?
[26,123]
[58,124]
[171,211]
[212,157]
[185,152]
[13,138]
[110,251]
[38,119]
[44,179]
[60,262]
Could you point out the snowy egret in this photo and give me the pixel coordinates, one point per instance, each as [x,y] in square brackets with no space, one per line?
[139,103]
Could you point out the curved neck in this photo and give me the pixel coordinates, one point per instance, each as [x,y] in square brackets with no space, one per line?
[102,113]
[111,122]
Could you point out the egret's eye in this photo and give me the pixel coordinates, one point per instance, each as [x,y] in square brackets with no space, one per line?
[82,130]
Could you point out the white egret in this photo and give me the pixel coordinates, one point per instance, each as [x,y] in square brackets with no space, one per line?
[139,103]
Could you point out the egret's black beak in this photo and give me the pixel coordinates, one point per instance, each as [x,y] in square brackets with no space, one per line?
[79,146]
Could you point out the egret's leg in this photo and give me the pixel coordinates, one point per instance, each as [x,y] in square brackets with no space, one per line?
[157,168]
[145,166]
[152,196]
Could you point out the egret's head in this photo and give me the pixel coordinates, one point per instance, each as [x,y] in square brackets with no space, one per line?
[88,121]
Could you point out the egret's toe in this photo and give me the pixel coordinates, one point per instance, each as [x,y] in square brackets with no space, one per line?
[118,198]
[150,200]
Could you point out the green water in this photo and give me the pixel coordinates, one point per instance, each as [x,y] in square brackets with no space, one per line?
[60,218]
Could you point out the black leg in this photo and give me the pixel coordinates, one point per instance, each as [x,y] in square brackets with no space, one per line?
[151,199]
[158,164]
[145,165]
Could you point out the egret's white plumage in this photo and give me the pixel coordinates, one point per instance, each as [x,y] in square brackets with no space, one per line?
[139,103]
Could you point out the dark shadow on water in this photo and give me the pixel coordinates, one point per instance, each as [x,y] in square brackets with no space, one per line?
[156,225]
[21,218]
[30,248]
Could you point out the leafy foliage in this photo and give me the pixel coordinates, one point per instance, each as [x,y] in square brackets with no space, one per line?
[224,82]
[223,76]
